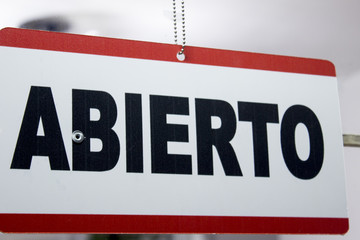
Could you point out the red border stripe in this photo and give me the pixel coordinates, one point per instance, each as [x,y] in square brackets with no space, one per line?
[73,223]
[158,51]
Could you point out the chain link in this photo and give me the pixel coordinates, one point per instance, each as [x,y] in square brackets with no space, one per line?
[182,25]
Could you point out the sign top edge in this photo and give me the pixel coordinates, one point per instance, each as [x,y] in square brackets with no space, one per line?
[66,42]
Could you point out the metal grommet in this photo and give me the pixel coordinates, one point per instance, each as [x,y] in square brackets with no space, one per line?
[180,56]
[78,136]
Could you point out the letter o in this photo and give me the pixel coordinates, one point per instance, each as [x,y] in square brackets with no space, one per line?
[309,168]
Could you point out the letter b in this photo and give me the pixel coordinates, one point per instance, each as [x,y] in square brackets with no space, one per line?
[83,158]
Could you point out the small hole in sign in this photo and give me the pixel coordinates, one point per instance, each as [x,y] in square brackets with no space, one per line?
[180,56]
[78,137]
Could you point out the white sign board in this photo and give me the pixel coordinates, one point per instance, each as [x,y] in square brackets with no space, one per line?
[168,146]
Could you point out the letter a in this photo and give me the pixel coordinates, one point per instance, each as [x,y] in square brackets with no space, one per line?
[40,105]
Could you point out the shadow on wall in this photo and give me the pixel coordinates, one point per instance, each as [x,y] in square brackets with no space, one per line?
[244,237]
[182,237]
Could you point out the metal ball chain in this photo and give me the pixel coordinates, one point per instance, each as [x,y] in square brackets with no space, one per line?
[183,26]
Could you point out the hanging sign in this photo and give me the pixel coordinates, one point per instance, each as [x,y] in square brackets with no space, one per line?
[106,135]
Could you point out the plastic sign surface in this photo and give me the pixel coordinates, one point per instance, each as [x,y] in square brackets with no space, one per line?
[107,135]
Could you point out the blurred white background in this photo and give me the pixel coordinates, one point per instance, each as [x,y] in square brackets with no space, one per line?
[323,29]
